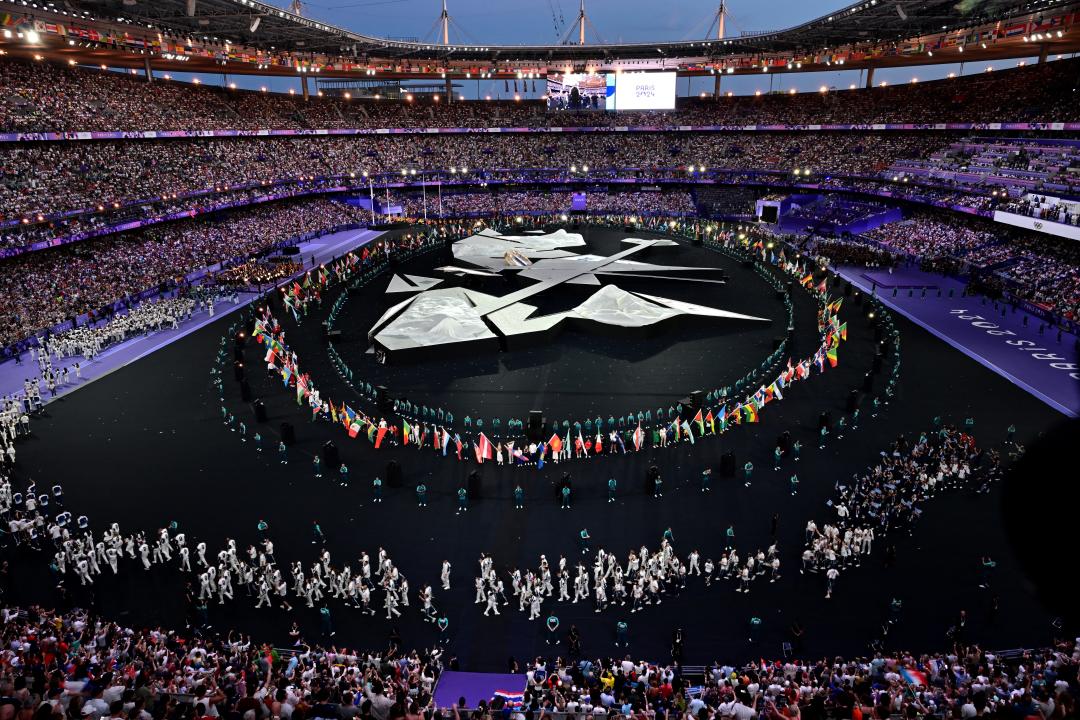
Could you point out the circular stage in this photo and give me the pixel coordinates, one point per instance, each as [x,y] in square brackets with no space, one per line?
[578,369]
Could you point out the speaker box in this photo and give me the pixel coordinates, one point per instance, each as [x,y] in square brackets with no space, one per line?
[383,401]
[290,250]
[259,408]
[535,431]
[330,456]
[288,433]
[727,464]
[696,397]
[394,477]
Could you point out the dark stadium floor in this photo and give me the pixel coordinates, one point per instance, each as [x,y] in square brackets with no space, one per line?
[146,446]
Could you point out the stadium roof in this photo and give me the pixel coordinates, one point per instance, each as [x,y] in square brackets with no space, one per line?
[867,26]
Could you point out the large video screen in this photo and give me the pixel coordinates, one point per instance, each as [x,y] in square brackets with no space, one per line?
[581,91]
[645,91]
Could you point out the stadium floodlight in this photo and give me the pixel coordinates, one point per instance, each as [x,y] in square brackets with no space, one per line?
[584,168]
[573,168]
[464,169]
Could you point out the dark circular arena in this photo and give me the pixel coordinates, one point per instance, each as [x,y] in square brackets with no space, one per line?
[707,372]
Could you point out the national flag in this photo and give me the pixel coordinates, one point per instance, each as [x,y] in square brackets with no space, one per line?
[484,449]
[556,444]
[354,429]
[808,280]
[711,422]
[700,420]
[689,432]
[598,446]
[639,438]
[913,676]
[380,436]
[510,697]
[406,431]
[842,330]
[541,450]
[822,287]
[819,360]
[423,436]
[581,444]
[831,355]
[775,391]
[751,413]
[458,444]
[333,413]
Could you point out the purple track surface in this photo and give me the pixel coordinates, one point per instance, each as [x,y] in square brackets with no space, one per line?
[998,338]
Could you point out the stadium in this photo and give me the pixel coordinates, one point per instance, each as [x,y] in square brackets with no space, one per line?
[715,372]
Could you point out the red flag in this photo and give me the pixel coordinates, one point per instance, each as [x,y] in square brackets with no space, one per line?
[484,450]
[379,437]
[555,443]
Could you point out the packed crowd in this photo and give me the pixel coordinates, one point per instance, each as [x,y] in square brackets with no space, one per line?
[45,97]
[929,235]
[1008,167]
[159,674]
[668,204]
[1033,266]
[888,497]
[111,671]
[44,179]
[42,289]
[89,340]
